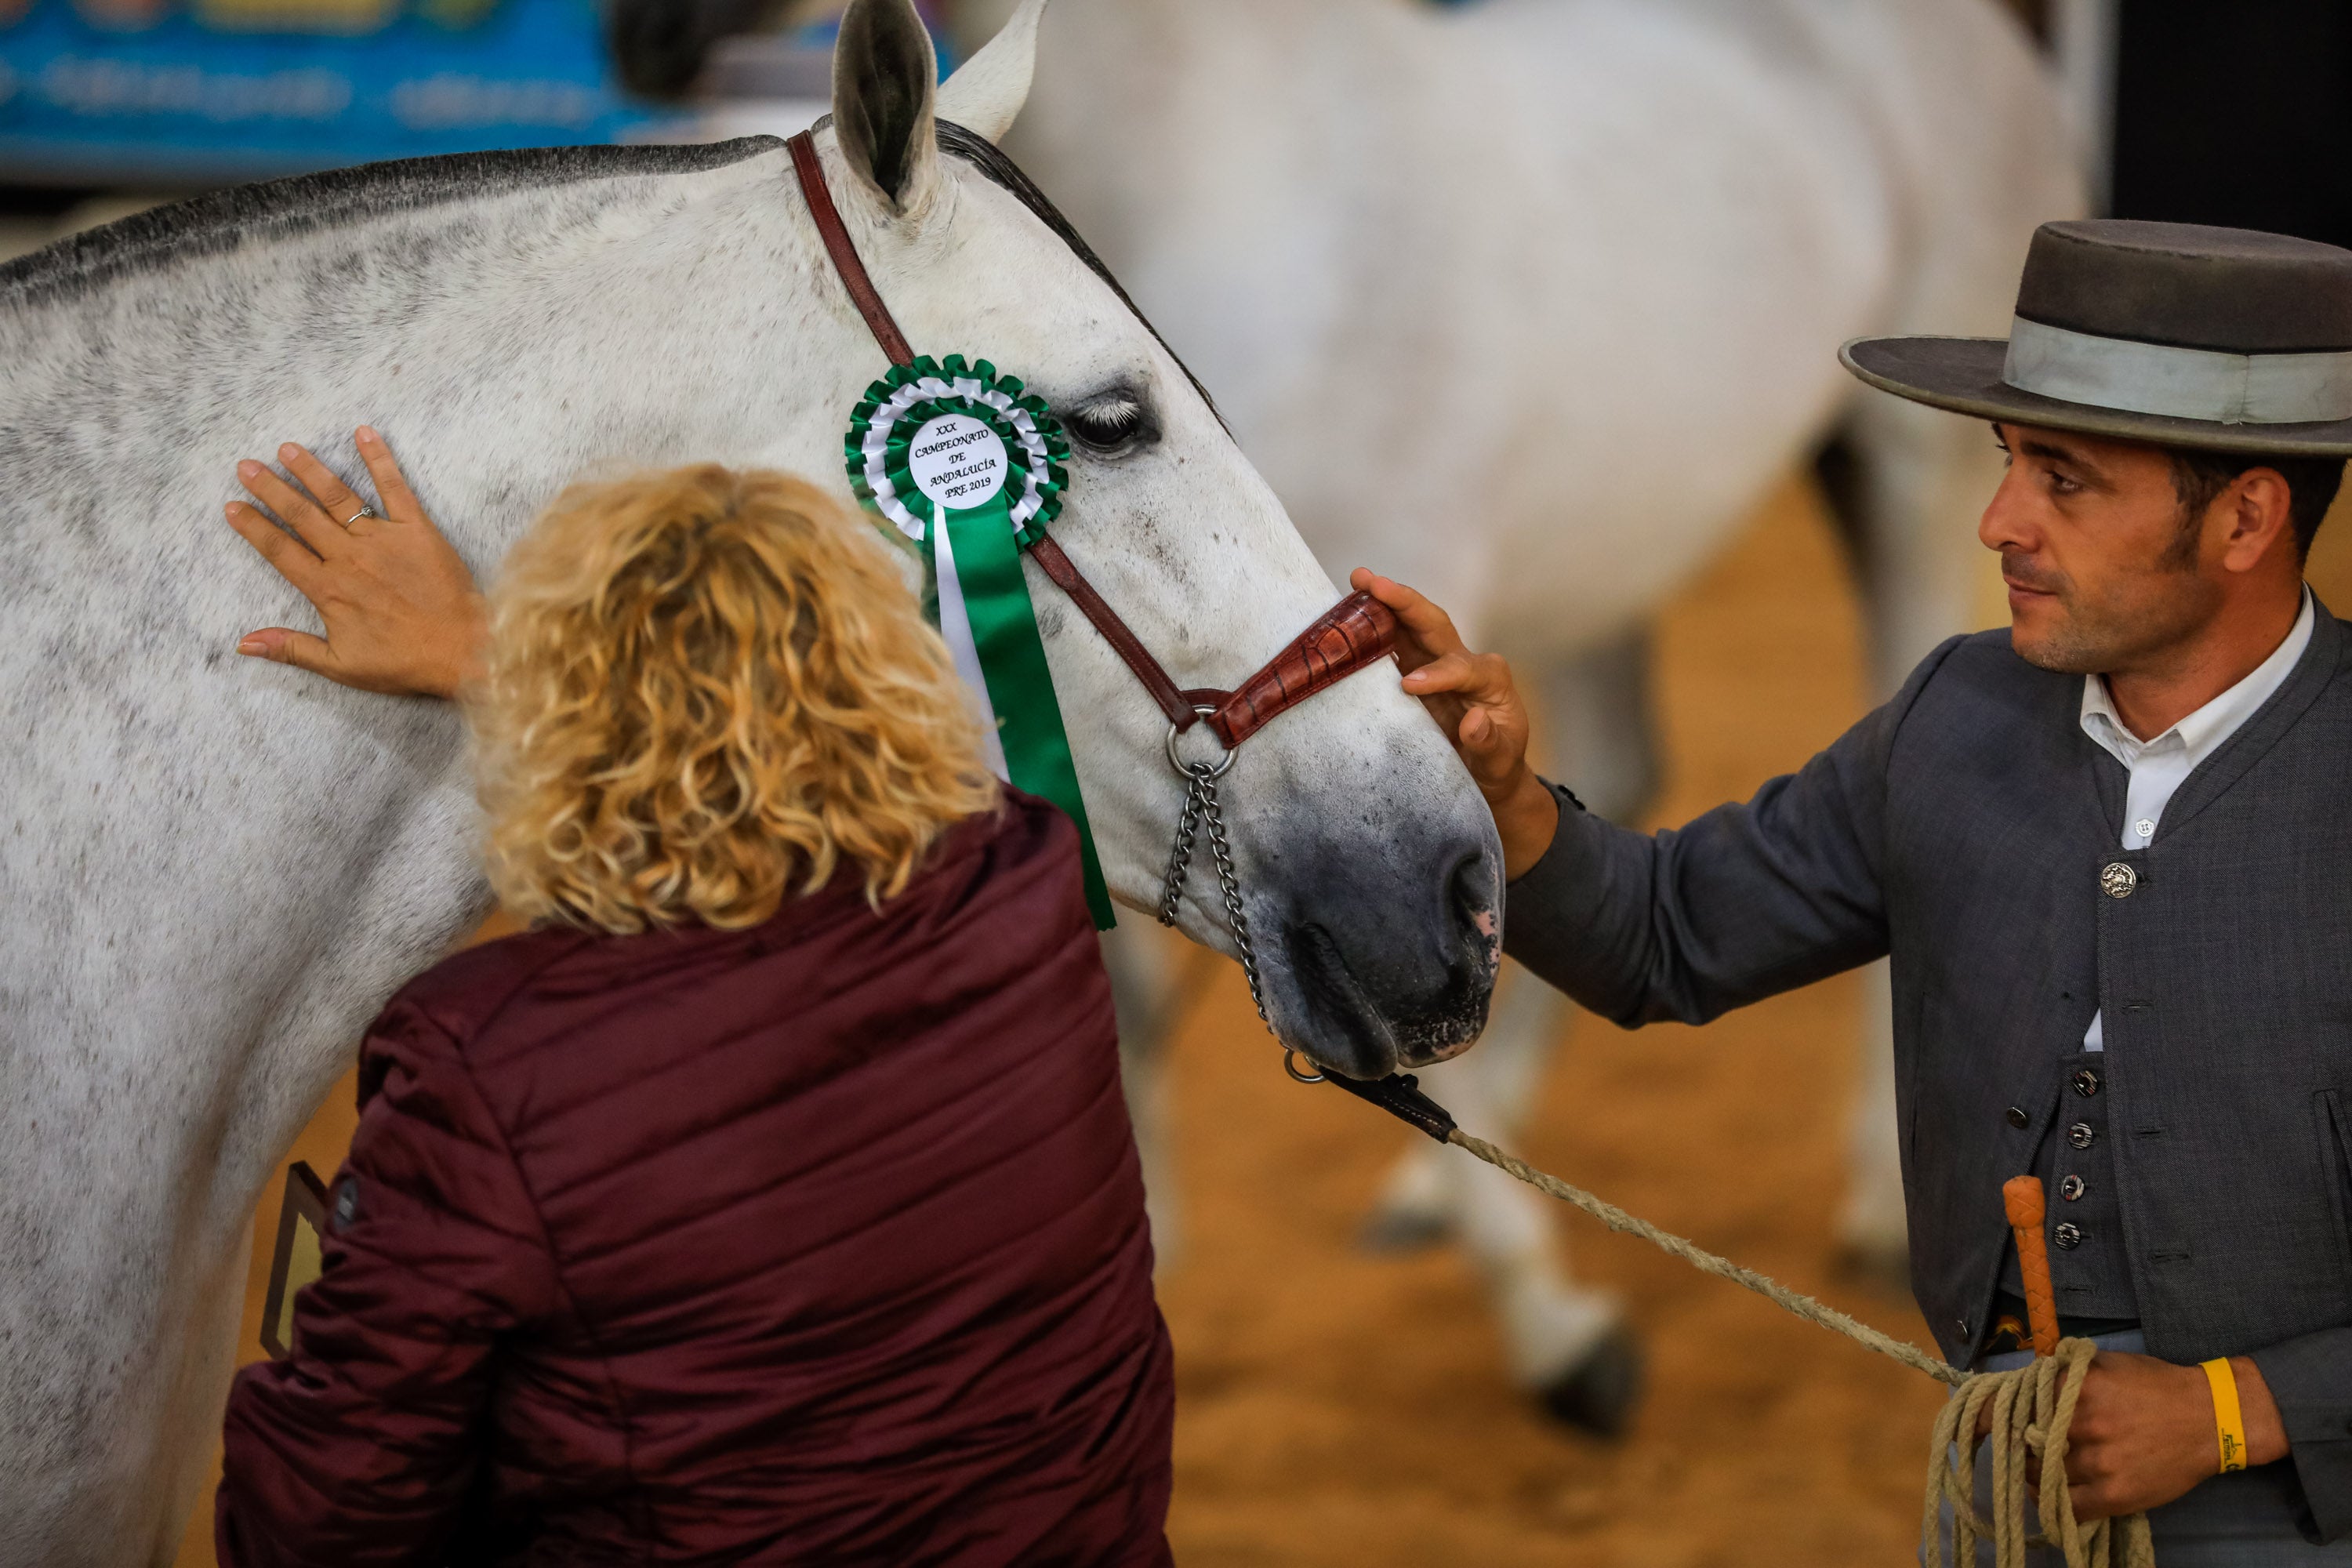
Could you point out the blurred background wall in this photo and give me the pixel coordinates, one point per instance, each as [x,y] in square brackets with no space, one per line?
[202,92]
[2237,114]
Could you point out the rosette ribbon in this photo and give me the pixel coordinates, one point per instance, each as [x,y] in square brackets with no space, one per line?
[966,463]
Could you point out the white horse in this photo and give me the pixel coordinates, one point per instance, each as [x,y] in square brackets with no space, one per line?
[214,869]
[1528,302]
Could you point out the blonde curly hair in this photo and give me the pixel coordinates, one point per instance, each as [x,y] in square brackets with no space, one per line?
[704,687]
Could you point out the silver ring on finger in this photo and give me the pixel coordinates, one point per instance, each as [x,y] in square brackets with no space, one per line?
[363,512]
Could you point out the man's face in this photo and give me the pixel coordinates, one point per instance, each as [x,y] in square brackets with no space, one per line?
[2101,572]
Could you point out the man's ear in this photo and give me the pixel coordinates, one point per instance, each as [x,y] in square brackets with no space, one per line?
[987,91]
[884,82]
[2261,518]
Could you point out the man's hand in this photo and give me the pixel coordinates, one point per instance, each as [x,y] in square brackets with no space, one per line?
[1473,700]
[402,613]
[2144,1433]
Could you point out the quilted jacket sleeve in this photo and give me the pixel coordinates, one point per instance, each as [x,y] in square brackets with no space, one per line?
[361,1446]
[1743,903]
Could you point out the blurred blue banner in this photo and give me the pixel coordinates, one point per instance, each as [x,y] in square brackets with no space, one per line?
[205,92]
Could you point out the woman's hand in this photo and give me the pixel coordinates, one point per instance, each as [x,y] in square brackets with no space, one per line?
[402,613]
[1473,697]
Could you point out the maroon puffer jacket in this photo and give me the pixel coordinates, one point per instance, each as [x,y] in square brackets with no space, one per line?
[817,1243]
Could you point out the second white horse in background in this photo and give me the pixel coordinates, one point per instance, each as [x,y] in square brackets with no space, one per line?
[1528,302]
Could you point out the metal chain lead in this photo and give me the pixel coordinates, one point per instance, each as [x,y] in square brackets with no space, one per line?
[1172,896]
[1230,886]
[1200,805]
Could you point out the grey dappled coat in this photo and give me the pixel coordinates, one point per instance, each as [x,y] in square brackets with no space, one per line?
[1964,828]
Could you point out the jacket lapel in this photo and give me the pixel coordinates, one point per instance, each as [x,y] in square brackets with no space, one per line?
[2109,782]
[2104,780]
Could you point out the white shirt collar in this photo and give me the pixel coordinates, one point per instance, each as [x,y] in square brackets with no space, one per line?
[2202,734]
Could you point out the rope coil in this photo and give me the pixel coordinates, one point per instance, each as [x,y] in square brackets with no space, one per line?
[2030,1409]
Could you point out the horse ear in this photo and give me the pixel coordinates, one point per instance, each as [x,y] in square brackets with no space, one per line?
[986,94]
[884,82]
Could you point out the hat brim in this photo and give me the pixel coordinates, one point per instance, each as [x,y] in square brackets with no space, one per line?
[1963,374]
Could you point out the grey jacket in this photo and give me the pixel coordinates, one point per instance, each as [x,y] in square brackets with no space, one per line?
[1967,829]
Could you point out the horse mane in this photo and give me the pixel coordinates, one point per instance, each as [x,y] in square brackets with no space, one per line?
[221,220]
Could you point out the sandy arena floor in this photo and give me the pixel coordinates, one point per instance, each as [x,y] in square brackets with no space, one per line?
[1341,1409]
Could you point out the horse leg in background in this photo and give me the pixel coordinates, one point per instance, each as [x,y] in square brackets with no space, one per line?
[1905,488]
[1505,1072]
[1873,1233]
[1567,1343]
[1151,986]
[1596,727]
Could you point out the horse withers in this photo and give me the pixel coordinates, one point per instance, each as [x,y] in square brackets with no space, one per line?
[217,870]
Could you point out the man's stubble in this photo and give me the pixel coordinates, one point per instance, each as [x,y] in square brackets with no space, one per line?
[2126,624]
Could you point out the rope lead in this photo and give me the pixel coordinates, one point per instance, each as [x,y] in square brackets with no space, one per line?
[1706,1262]
[2030,1407]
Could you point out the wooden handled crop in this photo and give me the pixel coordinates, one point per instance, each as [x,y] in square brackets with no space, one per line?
[2022,1195]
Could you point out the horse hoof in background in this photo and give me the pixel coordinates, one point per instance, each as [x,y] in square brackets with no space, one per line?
[1599,1394]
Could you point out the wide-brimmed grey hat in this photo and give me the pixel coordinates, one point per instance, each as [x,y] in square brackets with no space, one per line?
[2217,338]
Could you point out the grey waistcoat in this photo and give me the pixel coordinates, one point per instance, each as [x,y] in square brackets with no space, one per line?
[2090,1267]
[1966,828]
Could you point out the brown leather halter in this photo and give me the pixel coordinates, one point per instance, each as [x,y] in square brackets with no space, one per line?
[1359,631]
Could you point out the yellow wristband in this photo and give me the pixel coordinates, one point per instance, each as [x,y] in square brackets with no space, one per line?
[2226,1414]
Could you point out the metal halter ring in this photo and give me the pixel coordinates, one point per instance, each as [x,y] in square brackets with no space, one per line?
[1196,770]
[1290,1066]
[363,512]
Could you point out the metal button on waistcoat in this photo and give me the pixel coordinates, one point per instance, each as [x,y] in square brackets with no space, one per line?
[2082,1135]
[2118,880]
[2071,1189]
[2069,1237]
[2016,1118]
[2086,1082]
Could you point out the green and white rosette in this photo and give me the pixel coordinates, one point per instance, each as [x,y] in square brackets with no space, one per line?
[967,464]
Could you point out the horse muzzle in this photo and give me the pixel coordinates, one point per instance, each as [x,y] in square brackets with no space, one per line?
[1392,971]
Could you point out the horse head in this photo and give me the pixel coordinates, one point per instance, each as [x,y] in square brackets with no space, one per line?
[1368,866]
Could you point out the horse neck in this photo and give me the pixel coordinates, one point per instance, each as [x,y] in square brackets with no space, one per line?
[505,345]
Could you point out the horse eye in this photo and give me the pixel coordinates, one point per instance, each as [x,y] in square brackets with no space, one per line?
[1114,423]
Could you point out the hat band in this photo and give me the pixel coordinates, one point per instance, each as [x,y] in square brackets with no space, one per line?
[2179,383]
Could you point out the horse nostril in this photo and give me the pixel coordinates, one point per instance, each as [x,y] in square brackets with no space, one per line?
[1477,915]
